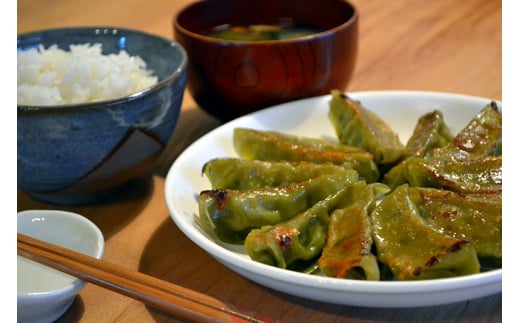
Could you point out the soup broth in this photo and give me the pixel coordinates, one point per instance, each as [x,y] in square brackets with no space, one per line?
[263,32]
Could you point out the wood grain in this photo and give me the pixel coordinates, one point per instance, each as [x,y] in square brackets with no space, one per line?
[443,45]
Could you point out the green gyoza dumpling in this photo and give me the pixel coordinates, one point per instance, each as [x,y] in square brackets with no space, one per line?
[241,174]
[233,213]
[482,175]
[411,248]
[277,146]
[429,133]
[301,237]
[470,163]
[481,137]
[473,217]
[244,135]
[359,127]
[347,253]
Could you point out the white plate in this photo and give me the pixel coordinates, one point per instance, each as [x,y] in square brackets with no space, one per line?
[308,117]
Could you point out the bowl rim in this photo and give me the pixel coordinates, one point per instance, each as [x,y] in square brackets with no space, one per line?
[177,73]
[346,24]
[77,283]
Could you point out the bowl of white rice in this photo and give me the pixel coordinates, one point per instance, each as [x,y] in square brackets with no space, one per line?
[96,107]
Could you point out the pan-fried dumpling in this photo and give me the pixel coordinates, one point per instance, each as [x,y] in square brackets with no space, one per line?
[242,174]
[277,146]
[482,175]
[348,249]
[233,213]
[301,237]
[473,217]
[429,133]
[357,126]
[412,249]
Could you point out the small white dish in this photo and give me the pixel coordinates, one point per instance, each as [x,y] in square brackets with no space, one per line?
[308,117]
[45,294]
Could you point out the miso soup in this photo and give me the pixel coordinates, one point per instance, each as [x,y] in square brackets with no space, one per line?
[263,32]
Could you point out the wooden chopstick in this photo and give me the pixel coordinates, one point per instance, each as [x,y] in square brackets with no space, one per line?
[160,294]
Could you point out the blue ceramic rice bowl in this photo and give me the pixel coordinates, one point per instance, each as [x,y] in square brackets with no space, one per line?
[79,153]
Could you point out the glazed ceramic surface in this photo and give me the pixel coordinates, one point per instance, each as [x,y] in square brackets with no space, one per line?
[232,78]
[45,294]
[308,117]
[75,154]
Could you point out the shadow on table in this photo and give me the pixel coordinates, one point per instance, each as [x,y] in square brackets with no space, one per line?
[193,123]
[110,215]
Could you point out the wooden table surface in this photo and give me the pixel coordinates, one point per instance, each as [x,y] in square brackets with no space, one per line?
[443,45]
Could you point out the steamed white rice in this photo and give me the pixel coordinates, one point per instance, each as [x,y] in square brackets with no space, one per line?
[53,76]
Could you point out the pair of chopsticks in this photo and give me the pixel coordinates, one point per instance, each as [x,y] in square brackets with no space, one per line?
[157,293]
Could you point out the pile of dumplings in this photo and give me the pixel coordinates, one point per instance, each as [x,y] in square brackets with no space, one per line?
[366,207]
